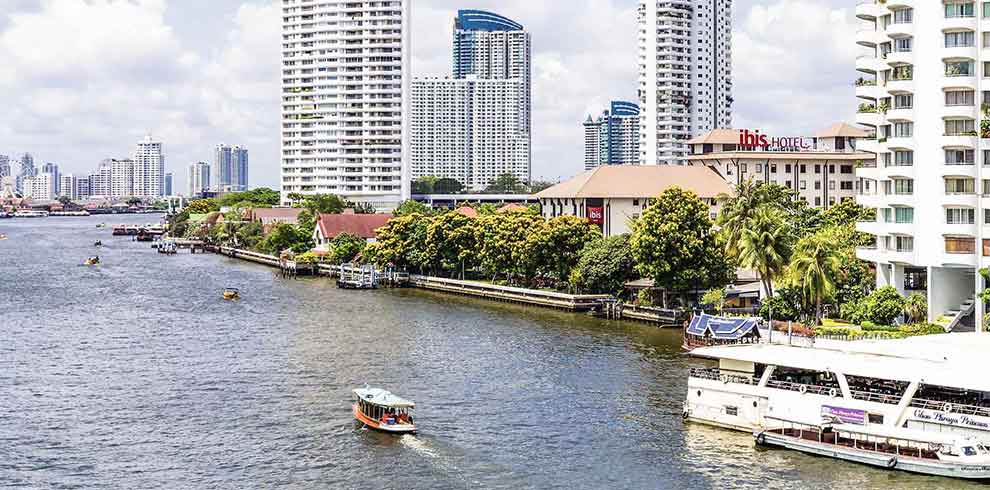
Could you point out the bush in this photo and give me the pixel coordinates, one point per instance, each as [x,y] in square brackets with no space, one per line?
[882,306]
[871,327]
[917,329]
[645,298]
[916,307]
[785,305]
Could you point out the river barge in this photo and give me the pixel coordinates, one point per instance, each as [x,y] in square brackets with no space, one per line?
[382,411]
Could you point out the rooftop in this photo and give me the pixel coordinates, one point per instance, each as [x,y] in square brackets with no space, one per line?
[359,225]
[638,181]
[380,397]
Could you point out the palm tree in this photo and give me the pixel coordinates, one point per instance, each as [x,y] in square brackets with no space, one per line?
[814,268]
[765,244]
[737,211]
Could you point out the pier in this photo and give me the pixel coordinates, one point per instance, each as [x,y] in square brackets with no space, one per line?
[536,297]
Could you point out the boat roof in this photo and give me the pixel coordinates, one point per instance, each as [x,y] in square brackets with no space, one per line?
[722,328]
[950,360]
[380,397]
[915,435]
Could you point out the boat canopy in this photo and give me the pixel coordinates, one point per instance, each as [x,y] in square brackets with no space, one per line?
[721,328]
[382,398]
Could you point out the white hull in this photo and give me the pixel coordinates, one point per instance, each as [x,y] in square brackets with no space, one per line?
[881,460]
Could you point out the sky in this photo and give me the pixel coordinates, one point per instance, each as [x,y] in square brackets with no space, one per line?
[84,80]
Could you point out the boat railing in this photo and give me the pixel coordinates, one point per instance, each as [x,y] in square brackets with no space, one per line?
[716,374]
[941,406]
[802,388]
[870,396]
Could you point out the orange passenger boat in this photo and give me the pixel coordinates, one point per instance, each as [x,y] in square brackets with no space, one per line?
[381,410]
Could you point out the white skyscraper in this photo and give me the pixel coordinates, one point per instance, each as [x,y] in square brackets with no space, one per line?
[4,166]
[923,89]
[345,95]
[469,130]
[68,186]
[101,181]
[122,178]
[40,187]
[149,168]
[199,179]
[685,75]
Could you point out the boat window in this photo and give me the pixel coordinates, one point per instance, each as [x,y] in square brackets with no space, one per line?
[969,451]
[967,401]
[875,418]
[876,389]
[793,378]
[731,410]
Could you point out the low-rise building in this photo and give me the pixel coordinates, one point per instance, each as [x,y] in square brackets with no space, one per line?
[612,196]
[329,226]
[274,216]
[821,170]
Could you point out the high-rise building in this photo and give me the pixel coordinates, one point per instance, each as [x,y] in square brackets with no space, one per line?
[230,169]
[199,179]
[51,168]
[149,168]
[101,181]
[27,170]
[613,137]
[4,166]
[167,189]
[469,130]
[68,186]
[922,89]
[40,187]
[475,127]
[345,86]
[122,181]
[685,75]
[83,188]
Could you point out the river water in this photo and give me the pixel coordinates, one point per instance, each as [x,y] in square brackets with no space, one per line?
[137,375]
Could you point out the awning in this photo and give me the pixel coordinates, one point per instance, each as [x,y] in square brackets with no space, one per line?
[722,328]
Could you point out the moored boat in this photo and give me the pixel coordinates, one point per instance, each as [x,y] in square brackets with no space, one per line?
[231,294]
[380,410]
[92,261]
[31,214]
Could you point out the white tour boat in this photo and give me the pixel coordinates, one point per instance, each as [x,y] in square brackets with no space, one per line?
[381,410]
[31,214]
[929,391]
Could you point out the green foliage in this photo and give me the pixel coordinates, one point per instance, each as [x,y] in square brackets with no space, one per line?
[714,297]
[401,243]
[447,186]
[765,244]
[787,304]
[250,235]
[344,248]
[320,203]
[501,240]
[423,185]
[412,207]
[645,298]
[555,246]
[203,206]
[674,245]
[922,328]
[261,197]
[362,207]
[451,242]
[916,307]
[883,306]
[604,266]
[506,184]
[814,269]
[307,258]
[287,237]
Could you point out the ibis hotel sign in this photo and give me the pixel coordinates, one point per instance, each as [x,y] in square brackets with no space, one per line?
[754,140]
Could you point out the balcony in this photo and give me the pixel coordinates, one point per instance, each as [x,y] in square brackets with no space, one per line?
[900,143]
[898,58]
[900,115]
[870,64]
[869,119]
[960,111]
[961,23]
[967,141]
[869,254]
[901,200]
[899,172]
[870,37]
[900,86]
[965,200]
[870,91]
[951,81]
[900,4]
[870,146]
[959,53]
[869,10]
[959,229]
[958,170]
[900,29]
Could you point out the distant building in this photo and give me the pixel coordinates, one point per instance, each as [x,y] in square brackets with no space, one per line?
[612,196]
[168,184]
[68,186]
[230,169]
[122,178]
[40,187]
[4,166]
[821,170]
[27,170]
[83,188]
[613,137]
[101,181]
[239,169]
[51,168]
[329,226]
[148,168]
[199,179]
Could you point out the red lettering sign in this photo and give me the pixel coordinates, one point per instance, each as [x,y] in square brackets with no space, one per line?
[596,215]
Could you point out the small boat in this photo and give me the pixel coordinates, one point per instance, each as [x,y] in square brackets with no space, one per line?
[99,243]
[101,225]
[231,294]
[924,452]
[92,261]
[3,237]
[382,411]
[31,214]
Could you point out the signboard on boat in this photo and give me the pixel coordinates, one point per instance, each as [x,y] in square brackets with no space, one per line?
[844,415]
[952,419]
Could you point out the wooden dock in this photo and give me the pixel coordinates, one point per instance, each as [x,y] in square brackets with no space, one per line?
[537,297]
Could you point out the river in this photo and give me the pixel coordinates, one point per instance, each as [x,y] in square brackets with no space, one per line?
[136,374]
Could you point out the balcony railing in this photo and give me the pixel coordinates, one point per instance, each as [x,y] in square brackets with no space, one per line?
[716,374]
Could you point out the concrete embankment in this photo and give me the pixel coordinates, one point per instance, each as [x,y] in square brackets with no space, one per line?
[534,297]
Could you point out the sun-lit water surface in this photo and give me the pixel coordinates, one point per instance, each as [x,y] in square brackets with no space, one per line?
[136,374]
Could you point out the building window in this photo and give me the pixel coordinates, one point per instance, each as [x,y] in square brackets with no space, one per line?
[986,10]
[959,39]
[846,169]
[831,185]
[986,248]
[903,130]
[804,184]
[904,215]
[959,97]
[846,185]
[960,245]
[904,187]
[960,127]
[960,216]
[903,101]
[818,169]
[959,157]
[903,16]
[959,186]
[903,158]
[953,10]
[818,185]
[773,168]
[759,167]
[787,169]
[733,411]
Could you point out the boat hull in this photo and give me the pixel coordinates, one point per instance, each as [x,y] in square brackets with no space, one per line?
[881,460]
[375,425]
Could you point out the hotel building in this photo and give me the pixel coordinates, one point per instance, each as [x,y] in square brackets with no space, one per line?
[613,137]
[148,169]
[821,170]
[345,97]
[923,79]
[685,75]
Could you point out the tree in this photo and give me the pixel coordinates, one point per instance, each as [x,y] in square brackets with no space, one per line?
[423,185]
[447,186]
[64,200]
[203,206]
[344,248]
[506,184]
[786,305]
[362,207]
[134,201]
[261,197]
[412,207]
[287,237]
[765,244]
[883,306]
[736,212]
[321,204]
[916,308]
[401,243]
[814,269]
[539,185]
[674,245]
[501,240]
[604,266]
[250,235]
[451,242]
[714,297]
[555,247]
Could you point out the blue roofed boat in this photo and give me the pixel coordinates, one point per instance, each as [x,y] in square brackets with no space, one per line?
[707,330]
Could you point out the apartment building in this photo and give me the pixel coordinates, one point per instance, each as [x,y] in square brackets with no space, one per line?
[40,187]
[821,169]
[613,137]
[148,168]
[199,179]
[230,169]
[685,75]
[924,75]
[345,86]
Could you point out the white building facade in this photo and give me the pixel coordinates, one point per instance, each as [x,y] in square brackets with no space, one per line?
[923,77]
[149,168]
[685,75]
[121,178]
[40,187]
[68,186]
[198,179]
[345,97]
[470,130]
[101,181]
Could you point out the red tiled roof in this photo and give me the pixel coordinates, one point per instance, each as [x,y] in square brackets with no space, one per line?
[360,225]
[511,208]
[467,211]
[282,214]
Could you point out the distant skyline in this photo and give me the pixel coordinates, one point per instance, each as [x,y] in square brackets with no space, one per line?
[84,81]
